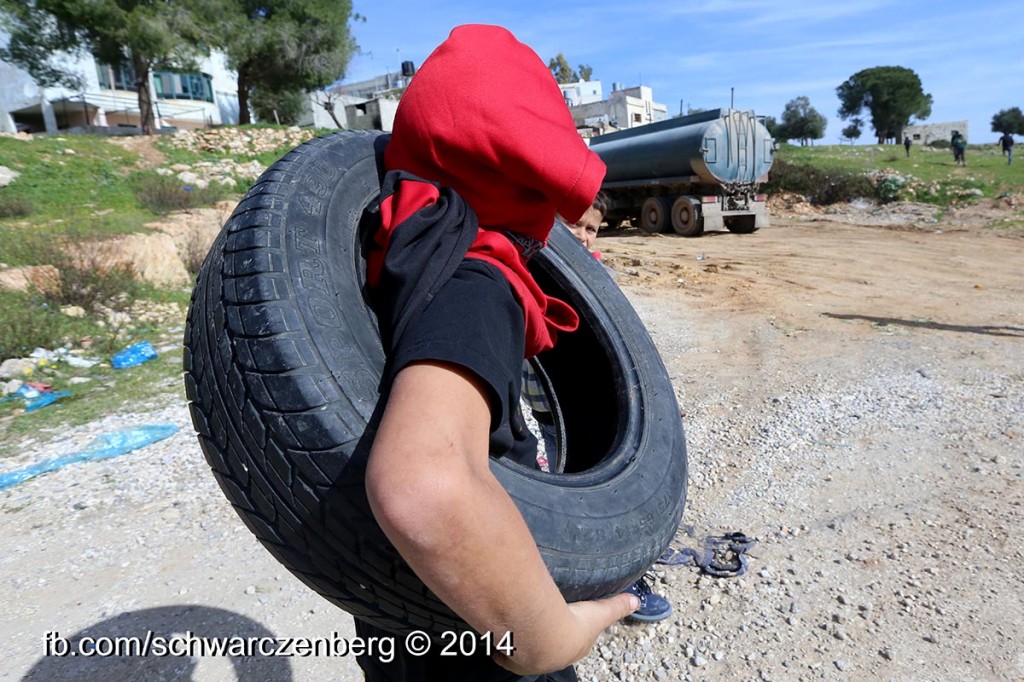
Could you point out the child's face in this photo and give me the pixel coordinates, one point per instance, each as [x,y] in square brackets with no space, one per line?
[586,227]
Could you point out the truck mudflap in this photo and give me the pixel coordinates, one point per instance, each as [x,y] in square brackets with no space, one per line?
[750,218]
[712,215]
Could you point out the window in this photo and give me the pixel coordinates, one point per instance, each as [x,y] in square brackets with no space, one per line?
[637,118]
[119,77]
[194,86]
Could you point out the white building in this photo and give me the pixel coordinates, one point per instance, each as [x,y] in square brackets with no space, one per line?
[624,108]
[108,98]
[363,105]
[582,92]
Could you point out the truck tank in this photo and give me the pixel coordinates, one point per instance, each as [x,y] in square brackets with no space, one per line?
[720,147]
[688,174]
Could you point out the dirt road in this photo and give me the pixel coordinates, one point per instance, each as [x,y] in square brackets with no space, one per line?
[853,397]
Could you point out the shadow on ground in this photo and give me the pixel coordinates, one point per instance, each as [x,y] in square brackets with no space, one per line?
[931,324]
[131,629]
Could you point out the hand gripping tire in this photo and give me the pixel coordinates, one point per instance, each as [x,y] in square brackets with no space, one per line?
[282,364]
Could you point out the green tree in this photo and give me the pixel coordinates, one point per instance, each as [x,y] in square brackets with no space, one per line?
[892,95]
[282,46]
[853,131]
[801,121]
[284,106]
[772,126]
[563,73]
[560,69]
[141,33]
[1009,121]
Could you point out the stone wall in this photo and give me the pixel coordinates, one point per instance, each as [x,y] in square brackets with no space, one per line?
[929,132]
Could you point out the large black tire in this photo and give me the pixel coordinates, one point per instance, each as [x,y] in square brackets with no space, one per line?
[686,218]
[283,359]
[654,215]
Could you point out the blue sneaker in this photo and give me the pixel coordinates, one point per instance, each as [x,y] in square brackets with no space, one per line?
[653,607]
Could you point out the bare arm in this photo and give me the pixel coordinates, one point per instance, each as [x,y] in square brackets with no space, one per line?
[432,491]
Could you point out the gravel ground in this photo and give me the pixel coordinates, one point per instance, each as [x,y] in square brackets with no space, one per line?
[874,451]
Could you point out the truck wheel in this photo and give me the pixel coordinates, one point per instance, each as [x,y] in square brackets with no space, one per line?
[654,215]
[686,217]
[282,363]
[741,224]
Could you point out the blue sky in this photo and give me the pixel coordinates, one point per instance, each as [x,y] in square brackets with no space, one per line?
[969,55]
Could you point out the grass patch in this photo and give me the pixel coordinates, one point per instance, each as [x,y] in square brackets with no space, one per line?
[56,173]
[165,193]
[29,321]
[986,168]
[13,205]
[831,173]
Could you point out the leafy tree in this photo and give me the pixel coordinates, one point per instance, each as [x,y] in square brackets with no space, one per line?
[801,121]
[772,126]
[283,45]
[561,70]
[852,131]
[563,73]
[1009,121]
[142,33]
[892,94]
[284,106]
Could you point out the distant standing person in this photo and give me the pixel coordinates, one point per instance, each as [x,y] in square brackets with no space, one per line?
[906,144]
[959,149]
[1006,142]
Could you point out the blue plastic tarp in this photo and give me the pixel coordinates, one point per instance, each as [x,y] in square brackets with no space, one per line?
[102,447]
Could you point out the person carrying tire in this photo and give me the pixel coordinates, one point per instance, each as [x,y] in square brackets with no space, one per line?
[473,185]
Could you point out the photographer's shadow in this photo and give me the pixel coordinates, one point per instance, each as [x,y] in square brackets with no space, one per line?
[165,622]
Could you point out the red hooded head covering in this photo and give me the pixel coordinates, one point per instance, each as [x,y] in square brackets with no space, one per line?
[484,116]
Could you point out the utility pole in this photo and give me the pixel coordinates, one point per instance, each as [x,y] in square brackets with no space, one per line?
[732,98]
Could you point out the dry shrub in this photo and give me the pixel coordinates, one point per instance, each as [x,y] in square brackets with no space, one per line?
[821,187]
[89,277]
[193,252]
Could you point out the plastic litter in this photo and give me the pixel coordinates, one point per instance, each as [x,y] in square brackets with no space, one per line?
[133,355]
[76,361]
[45,399]
[62,355]
[36,395]
[27,392]
[102,447]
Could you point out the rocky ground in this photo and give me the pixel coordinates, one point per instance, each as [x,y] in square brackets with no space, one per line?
[853,399]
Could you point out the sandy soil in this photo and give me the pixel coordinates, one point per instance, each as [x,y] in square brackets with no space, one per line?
[853,398]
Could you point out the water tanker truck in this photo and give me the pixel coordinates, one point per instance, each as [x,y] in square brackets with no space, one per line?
[688,174]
